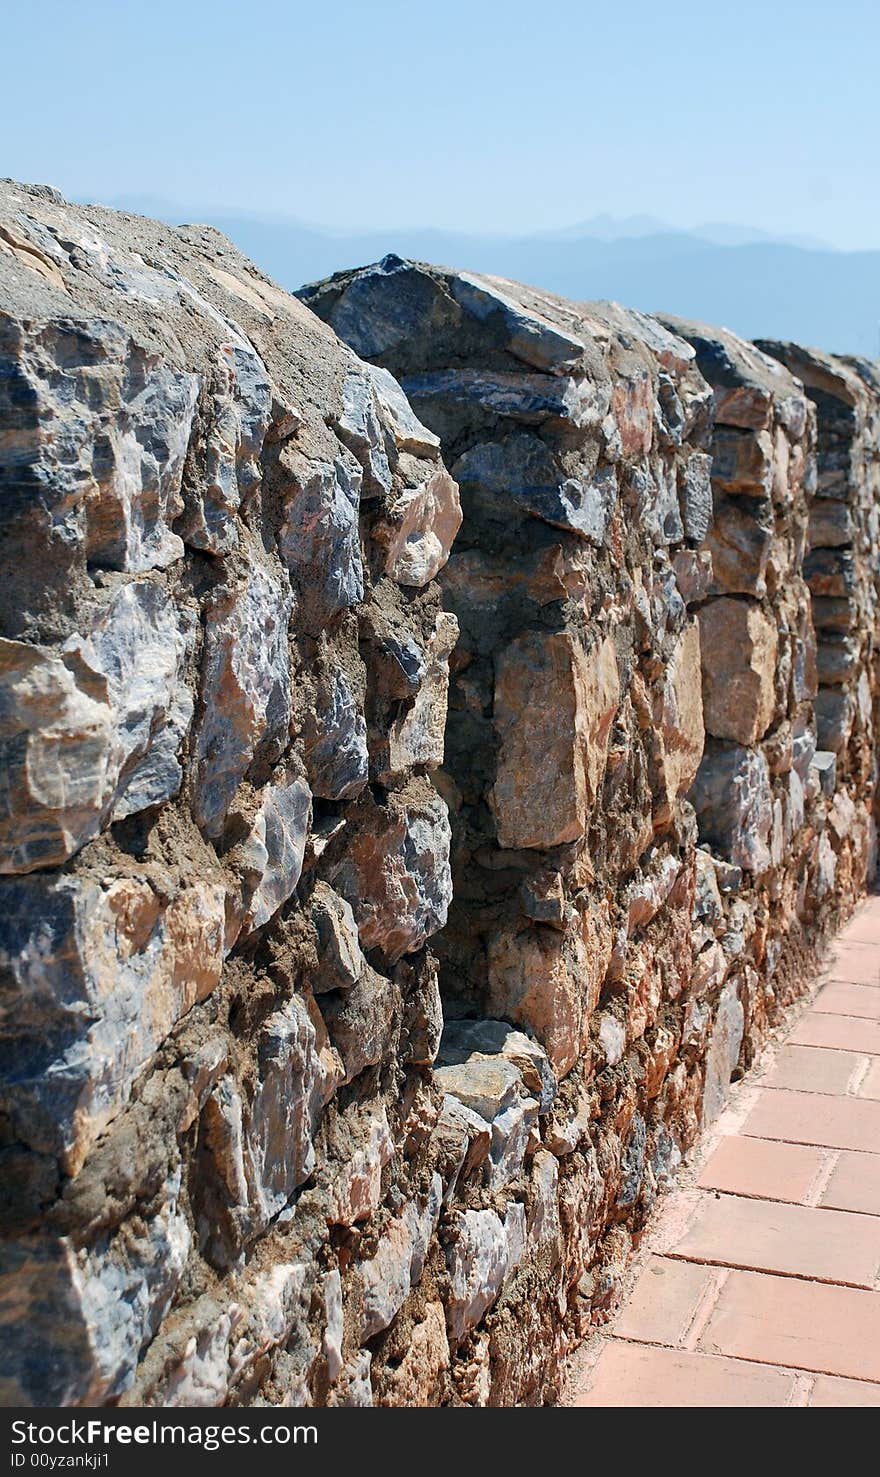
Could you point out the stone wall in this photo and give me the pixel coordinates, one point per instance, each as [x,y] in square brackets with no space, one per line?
[308,1096]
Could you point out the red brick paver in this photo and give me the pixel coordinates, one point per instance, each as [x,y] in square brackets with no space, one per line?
[854,1184]
[840,998]
[833,1123]
[761,1285]
[844,1032]
[764,1168]
[635,1374]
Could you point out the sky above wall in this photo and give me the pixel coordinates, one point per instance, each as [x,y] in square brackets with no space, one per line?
[468,115]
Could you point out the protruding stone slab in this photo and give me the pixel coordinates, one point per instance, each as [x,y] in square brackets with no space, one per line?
[554,700]
[739,643]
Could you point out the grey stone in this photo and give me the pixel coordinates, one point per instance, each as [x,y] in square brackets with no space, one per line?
[74,1322]
[723,1053]
[469,1040]
[733,801]
[260,1144]
[363,1020]
[408,432]
[824,765]
[245,691]
[274,851]
[488,1086]
[319,539]
[341,962]
[521,469]
[835,715]
[239,414]
[382,307]
[387,1277]
[396,873]
[478,1260]
[93,473]
[528,337]
[510,1137]
[335,739]
[632,1166]
[360,428]
[104,971]
[91,732]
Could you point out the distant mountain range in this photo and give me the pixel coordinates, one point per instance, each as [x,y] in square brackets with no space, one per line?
[748,280]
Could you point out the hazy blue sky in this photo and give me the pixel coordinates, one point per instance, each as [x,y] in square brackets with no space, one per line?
[472,114]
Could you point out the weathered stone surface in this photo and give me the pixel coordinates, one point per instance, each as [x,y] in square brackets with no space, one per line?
[340,961]
[681,714]
[107,489]
[387,1278]
[478,1264]
[94,1308]
[222,529]
[335,738]
[696,496]
[104,972]
[362,1020]
[550,982]
[416,1380]
[723,1052]
[553,699]
[245,691]
[357,1191]
[260,1144]
[396,874]
[733,801]
[91,733]
[239,416]
[739,643]
[468,1040]
[319,537]
[478,395]
[359,427]
[419,528]
[408,432]
[274,850]
[416,737]
[522,470]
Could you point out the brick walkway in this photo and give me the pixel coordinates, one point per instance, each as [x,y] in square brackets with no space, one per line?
[759,1281]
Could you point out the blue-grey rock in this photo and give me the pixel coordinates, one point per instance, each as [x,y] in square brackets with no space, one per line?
[406,429]
[696,496]
[273,853]
[361,430]
[75,1321]
[90,732]
[245,691]
[239,413]
[104,972]
[734,804]
[320,542]
[335,740]
[521,469]
[528,336]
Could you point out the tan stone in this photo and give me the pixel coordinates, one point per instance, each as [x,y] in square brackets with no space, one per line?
[554,706]
[739,650]
[680,718]
[421,528]
[416,1379]
[549,982]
